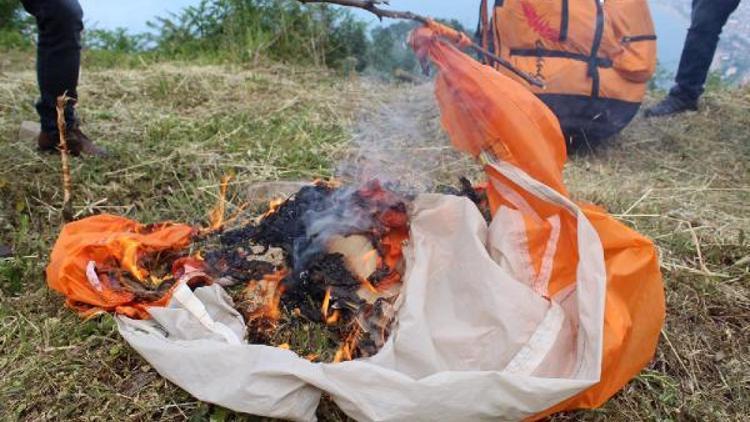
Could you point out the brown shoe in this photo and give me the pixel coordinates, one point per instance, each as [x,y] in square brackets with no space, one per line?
[78,143]
[47,142]
[81,143]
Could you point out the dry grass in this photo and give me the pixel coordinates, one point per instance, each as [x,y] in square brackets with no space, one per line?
[685,182]
[176,129]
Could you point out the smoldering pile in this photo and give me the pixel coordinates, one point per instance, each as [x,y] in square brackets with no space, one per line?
[319,272]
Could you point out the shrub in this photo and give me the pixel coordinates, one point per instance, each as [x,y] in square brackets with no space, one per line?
[280,29]
[117,40]
[15,27]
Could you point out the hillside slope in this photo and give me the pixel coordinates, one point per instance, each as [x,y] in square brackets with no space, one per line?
[176,129]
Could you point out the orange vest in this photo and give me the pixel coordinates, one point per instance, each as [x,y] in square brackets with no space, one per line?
[595,57]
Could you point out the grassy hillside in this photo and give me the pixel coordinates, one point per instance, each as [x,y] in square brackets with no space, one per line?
[175,129]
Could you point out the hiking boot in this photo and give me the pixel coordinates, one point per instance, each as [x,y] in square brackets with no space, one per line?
[669,106]
[78,143]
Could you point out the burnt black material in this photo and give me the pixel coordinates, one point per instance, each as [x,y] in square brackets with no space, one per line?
[330,270]
[237,264]
[286,228]
[306,290]
[301,228]
[467,190]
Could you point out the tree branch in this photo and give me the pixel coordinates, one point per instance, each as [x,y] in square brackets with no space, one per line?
[372,7]
[67,206]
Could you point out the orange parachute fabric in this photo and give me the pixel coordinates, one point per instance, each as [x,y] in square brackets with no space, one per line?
[479,101]
[112,242]
[489,115]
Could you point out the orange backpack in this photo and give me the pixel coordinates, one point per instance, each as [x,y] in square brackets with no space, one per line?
[594,57]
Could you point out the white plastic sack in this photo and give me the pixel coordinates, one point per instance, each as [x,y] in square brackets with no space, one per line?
[474,339]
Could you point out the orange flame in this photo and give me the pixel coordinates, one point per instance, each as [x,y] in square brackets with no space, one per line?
[130,259]
[273,310]
[270,289]
[331,183]
[273,207]
[346,351]
[217,214]
[326,303]
[367,285]
[331,318]
[334,318]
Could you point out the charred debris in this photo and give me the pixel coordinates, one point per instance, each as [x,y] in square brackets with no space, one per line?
[325,264]
[319,272]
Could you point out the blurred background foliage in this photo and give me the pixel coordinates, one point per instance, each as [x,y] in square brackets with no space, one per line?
[243,31]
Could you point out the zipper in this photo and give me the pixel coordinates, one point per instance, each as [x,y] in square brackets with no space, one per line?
[637,38]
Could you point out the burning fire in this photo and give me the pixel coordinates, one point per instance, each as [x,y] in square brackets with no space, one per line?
[130,257]
[326,303]
[328,255]
[339,264]
[346,351]
[217,214]
[333,317]
[273,207]
[262,300]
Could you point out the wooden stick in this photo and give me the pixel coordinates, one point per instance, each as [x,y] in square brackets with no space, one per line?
[371,6]
[67,206]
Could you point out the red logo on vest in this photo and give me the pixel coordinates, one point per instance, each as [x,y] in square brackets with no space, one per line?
[538,24]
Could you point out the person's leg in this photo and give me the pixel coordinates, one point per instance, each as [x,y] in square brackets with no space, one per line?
[60,23]
[707,21]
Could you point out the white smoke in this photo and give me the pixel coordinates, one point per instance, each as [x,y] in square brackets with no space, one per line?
[399,141]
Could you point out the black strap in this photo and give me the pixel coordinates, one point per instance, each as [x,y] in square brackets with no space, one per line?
[492,47]
[539,52]
[636,38]
[480,28]
[593,59]
[565,17]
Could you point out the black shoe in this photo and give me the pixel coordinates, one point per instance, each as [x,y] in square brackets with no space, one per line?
[670,105]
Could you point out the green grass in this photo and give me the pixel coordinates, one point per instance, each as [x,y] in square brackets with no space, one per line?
[175,128]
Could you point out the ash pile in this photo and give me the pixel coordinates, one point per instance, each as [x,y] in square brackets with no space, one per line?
[320,272]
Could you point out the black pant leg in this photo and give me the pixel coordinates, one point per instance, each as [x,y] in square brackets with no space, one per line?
[60,23]
[707,21]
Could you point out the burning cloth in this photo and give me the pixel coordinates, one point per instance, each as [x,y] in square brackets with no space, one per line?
[552,306]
